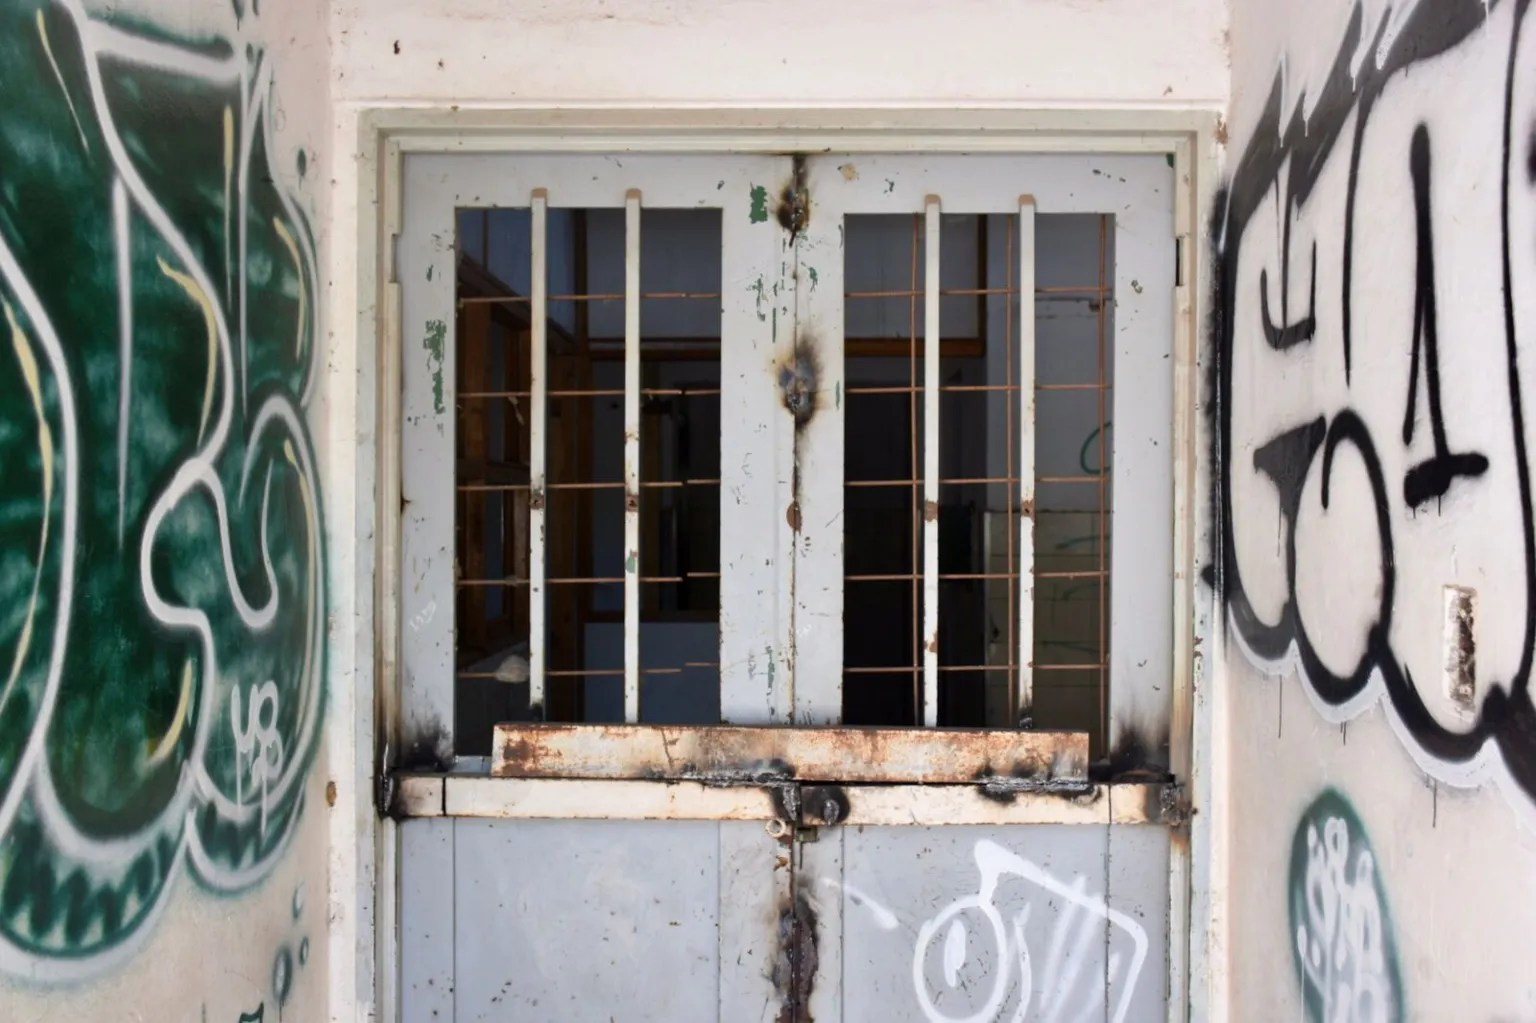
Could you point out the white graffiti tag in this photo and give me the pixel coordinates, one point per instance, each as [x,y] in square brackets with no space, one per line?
[1339,941]
[1089,950]
[257,742]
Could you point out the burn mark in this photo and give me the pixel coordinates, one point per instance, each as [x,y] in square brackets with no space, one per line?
[1133,758]
[430,750]
[794,209]
[1004,785]
[794,969]
[786,803]
[824,805]
[799,380]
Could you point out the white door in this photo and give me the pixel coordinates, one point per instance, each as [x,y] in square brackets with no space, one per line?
[846,566]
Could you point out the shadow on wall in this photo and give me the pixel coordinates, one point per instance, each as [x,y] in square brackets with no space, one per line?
[161,575]
[1376,245]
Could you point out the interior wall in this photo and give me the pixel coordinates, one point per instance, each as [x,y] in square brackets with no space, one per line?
[163,597]
[1375,247]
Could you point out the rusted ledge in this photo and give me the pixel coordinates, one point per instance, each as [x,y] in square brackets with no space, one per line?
[725,754]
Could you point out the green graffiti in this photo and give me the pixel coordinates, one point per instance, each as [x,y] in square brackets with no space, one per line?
[162,604]
[434,343]
[1340,931]
[759,212]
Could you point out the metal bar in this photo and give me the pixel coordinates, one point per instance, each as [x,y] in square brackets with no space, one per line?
[1010,467]
[1026,565]
[897,805]
[931,467]
[597,297]
[1103,545]
[965,388]
[1087,289]
[730,753]
[632,455]
[538,384]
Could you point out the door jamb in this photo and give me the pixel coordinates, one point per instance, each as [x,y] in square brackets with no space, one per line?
[1190,138]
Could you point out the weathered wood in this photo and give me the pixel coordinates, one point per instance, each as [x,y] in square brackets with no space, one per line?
[728,753]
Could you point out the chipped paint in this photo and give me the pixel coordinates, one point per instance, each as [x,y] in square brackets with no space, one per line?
[434,342]
[759,211]
[760,289]
[815,277]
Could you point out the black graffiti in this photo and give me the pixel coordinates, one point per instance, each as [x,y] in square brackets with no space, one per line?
[1431,478]
[1287,155]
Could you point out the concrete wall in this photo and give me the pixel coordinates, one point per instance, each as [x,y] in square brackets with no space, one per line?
[163,589]
[1376,247]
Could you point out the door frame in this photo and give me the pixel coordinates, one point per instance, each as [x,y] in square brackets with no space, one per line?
[368,740]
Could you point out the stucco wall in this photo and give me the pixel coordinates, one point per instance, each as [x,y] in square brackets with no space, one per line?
[163,642]
[1376,247]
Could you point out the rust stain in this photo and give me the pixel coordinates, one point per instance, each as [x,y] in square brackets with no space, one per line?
[330,793]
[849,172]
[631,502]
[930,511]
[792,515]
[933,643]
[536,500]
[1221,130]
[1027,509]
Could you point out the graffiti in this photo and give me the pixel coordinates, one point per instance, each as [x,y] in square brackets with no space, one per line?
[1345,959]
[161,573]
[1021,971]
[1350,265]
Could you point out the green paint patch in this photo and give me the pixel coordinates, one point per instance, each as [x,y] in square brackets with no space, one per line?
[630,564]
[1341,936]
[759,213]
[434,343]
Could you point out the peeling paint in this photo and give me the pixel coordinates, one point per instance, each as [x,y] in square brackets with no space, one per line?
[759,213]
[434,343]
[761,290]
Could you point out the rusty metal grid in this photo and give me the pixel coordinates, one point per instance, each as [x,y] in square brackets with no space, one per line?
[1099,292]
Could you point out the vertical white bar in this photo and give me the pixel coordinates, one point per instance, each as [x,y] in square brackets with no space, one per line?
[538,386]
[1026,567]
[931,464]
[632,456]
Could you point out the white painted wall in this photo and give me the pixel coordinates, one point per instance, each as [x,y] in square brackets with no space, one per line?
[1422,911]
